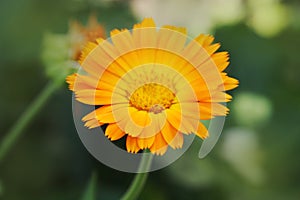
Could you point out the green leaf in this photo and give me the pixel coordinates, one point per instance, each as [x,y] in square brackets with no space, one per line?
[90,191]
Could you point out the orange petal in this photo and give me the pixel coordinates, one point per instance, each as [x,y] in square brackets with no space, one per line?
[71,80]
[219,109]
[156,123]
[174,118]
[110,59]
[218,96]
[159,146]
[202,131]
[213,109]
[113,132]
[146,23]
[103,114]
[212,48]
[187,109]
[132,145]
[221,60]
[122,40]
[180,122]
[90,46]
[145,143]
[93,123]
[195,54]
[144,34]
[171,38]
[172,136]
[81,82]
[230,83]
[204,40]
[177,141]
[98,97]
[135,126]
[140,117]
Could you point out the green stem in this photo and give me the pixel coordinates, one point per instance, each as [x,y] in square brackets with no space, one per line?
[15,132]
[139,180]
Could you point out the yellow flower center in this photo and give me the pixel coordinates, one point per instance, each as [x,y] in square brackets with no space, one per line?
[152,97]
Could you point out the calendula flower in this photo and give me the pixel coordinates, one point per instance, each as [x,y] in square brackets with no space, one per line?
[62,51]
[152,85]
[80,35]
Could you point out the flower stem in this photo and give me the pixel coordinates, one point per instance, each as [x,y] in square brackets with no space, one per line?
[15,132]
[139,180]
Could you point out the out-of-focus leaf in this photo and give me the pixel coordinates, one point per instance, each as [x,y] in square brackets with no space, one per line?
[90,191]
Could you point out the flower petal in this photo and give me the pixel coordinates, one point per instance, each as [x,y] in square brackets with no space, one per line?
[157,122]
[145,143]
[221,60]
[132,145]
[103,114]
[171,38]
[113,132]
[172,136]
[93,123]
[144,34]
[159,146]
[99,97]
[202,132]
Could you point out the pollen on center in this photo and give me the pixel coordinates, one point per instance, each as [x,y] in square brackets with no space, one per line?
[152,97]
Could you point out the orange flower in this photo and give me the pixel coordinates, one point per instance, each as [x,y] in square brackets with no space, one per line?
[81,35]
[62,51]
[153,85]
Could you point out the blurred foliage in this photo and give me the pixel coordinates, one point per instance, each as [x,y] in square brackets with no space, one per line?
[90,191]
[50,162]
[56,56]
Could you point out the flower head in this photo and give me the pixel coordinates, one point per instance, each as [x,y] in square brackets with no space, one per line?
[80,35]
[153,85]
[62,51]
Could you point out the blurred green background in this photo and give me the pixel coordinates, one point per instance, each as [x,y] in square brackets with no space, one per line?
[257,154]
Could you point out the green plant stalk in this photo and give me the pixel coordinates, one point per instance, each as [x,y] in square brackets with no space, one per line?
[90,191]
[139,180]
[15,132]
